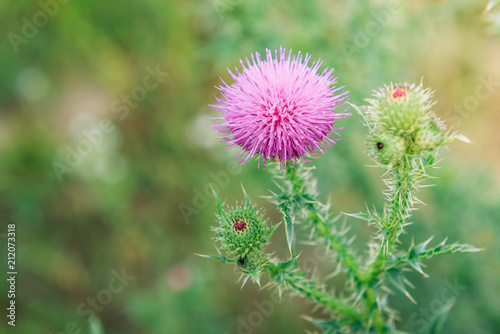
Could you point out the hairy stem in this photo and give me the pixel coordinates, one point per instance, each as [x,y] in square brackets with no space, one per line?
[304,193]
[401,182]
[373,312]
[288,276]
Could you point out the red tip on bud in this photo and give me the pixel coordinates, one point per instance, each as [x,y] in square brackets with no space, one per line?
[398,93]
[240,225]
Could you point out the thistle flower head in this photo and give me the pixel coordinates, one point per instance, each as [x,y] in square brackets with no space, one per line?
[400,122]
[280,108]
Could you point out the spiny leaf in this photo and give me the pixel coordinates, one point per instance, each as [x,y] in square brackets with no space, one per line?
[415,264]
[420,248]
[217,200]
[286,206]
[271,231]
[221,257]
[362,216]
[289,218]
[331,326]
[247,198]
[417,253]
[462,138]
[491,4]
[95,326]
[363,114]
[395,276]
[440,317]
[254,275]
[442,248]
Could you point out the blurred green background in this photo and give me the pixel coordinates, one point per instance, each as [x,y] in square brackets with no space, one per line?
[94,200]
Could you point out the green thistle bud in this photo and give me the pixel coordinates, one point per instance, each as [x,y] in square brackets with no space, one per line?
[431,135]
[400,122]
[399,108]
[243,233]
[384,147]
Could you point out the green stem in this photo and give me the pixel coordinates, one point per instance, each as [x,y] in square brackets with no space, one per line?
[402,182]
[323,229]
[289,276]
[306,198]
[373,311]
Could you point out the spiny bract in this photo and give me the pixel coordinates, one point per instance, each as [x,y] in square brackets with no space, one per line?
[385,147]
[430,135]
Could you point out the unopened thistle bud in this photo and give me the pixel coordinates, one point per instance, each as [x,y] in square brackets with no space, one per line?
[431,135]
[399,108]
[385,148]
[400,122]
[243,233]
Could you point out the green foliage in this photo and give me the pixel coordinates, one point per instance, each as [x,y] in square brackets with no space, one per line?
[440,318]
[406,135]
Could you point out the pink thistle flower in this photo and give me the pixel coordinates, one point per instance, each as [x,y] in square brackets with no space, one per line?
[280,109]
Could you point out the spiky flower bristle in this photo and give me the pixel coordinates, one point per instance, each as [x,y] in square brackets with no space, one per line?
[280,108]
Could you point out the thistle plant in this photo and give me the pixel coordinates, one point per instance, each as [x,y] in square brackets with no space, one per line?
[283,111]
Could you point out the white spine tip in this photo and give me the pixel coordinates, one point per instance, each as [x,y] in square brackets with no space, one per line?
[463,138]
